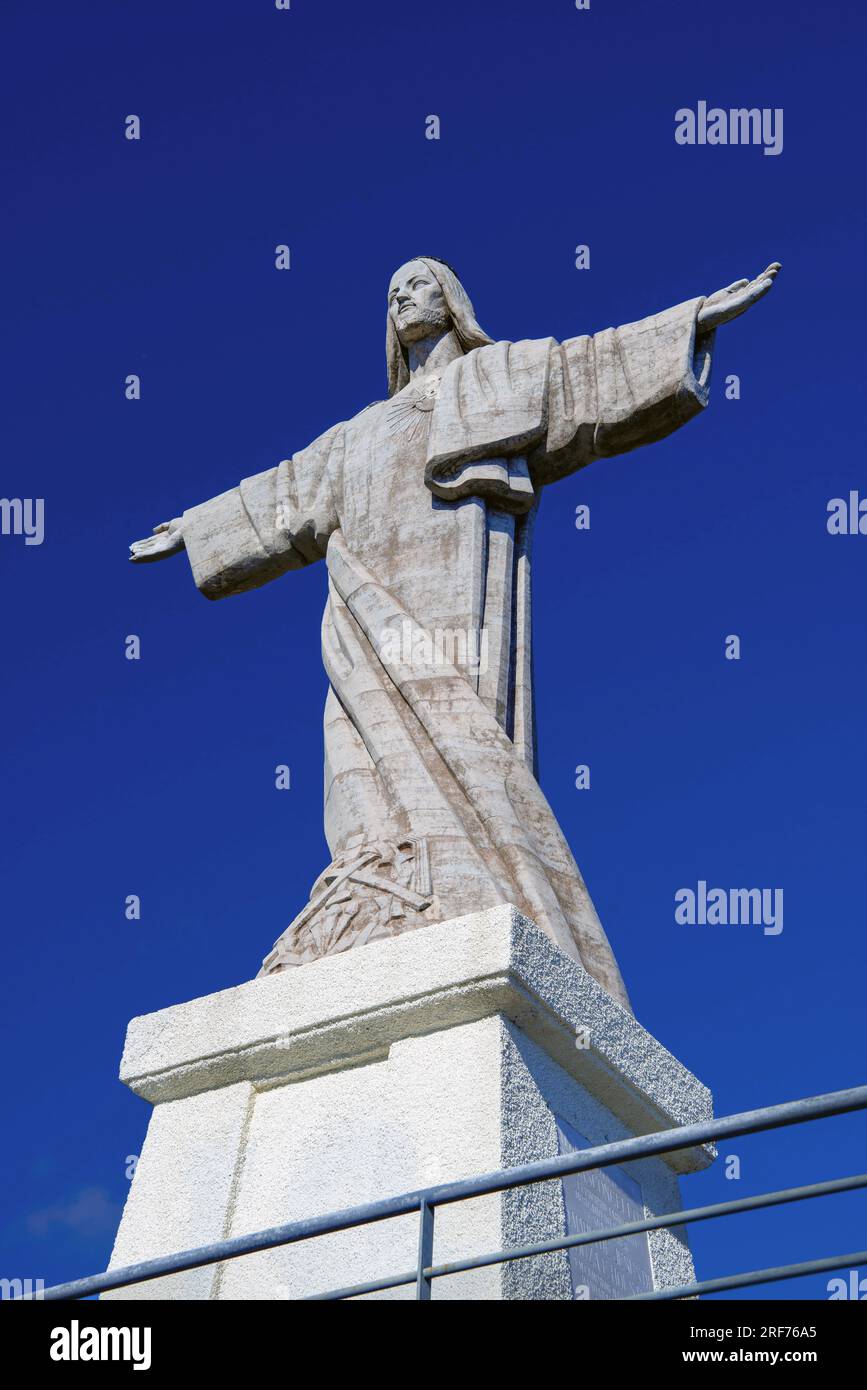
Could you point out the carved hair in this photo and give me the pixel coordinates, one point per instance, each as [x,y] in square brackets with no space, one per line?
[464,323]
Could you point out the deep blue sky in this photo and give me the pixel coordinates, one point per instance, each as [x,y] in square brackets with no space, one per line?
[156,777]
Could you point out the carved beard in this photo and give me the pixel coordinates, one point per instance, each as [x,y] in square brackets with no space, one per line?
[421,323]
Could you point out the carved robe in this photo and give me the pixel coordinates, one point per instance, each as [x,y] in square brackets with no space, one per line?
[423,508]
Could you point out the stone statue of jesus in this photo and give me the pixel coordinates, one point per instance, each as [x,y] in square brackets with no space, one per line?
[423,507]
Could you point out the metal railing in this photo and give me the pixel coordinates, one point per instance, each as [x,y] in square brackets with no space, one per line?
[427,1200]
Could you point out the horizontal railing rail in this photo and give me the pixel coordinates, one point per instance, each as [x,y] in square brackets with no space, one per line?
[629,1228]
[426,1200]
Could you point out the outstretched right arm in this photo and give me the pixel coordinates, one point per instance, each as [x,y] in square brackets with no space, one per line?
[276,521]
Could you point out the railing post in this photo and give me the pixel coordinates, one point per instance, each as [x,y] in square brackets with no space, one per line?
[425,1249]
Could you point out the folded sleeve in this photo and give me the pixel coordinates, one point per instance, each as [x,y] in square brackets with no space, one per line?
[273,522]
[622,388]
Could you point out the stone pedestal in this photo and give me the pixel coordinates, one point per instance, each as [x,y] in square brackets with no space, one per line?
[447,1052]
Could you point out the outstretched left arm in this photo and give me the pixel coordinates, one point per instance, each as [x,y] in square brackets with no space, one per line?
[626,387]
[562,405]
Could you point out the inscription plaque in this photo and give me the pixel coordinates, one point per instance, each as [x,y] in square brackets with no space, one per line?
[595,1201]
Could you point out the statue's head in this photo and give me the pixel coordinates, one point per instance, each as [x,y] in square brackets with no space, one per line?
[426,297]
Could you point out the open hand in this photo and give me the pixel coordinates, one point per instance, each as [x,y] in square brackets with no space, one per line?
[735,299]
[167,539]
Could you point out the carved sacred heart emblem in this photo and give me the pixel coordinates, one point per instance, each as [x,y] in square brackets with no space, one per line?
[407,412]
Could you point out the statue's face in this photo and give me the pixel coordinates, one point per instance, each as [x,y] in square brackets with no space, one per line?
[416,305]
